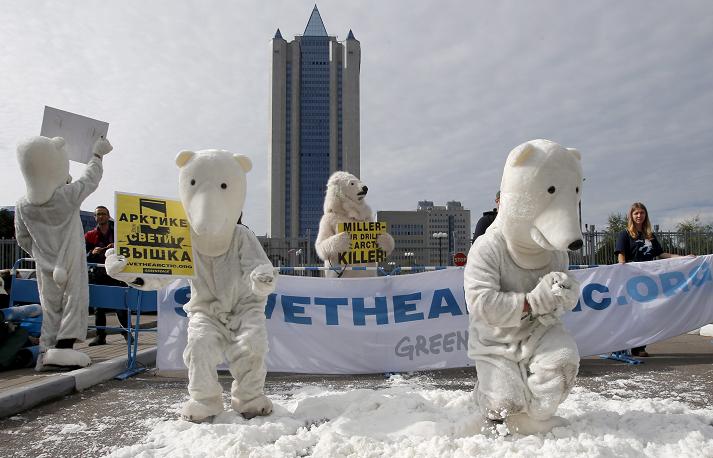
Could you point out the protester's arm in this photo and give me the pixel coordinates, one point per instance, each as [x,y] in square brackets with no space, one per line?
[22,235]
[621,247]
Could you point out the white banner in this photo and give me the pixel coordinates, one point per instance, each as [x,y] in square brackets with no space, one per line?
[419,321]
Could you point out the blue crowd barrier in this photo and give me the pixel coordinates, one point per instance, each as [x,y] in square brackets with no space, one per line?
[134,301]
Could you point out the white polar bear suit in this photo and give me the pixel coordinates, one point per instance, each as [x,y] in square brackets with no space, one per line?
[227,321]
[344,203]
[526,363]
[47,225]
[233,277]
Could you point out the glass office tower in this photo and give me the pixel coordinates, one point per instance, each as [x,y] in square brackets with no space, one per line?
[314,124]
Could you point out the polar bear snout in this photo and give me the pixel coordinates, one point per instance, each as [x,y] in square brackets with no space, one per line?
[576,245]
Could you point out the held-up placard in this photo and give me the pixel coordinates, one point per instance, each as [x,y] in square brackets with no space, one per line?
[363,247]
[154,236]
[79,132]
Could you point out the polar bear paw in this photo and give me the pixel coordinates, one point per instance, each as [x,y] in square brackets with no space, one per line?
[262,280]
[261,405]
[386,243]
[200,411]
[526,425]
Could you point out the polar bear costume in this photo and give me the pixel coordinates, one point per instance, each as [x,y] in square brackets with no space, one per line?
[517,287]
[226,312]
[344,203]
[47,225]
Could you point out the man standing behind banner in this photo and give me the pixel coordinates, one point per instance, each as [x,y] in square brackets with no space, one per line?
[97,241]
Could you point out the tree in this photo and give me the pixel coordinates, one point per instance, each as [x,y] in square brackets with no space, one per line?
[696,236]
[616,223]
[7,225]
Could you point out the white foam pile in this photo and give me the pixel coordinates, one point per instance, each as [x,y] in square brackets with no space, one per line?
[409,418]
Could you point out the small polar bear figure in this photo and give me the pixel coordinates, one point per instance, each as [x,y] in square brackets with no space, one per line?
[47,225]
[344,203]
[233,278]
[517,288]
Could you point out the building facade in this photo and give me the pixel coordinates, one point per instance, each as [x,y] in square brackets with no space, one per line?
[314,130]
[413,232]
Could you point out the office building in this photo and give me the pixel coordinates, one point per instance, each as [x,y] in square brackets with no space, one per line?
[413,232]
[314,128]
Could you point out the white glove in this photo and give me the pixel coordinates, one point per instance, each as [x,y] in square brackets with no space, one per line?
[555,291]
[385,242]
[263,280]
[102,147]
[115,265]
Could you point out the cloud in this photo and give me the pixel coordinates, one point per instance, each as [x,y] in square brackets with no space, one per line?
[447,89]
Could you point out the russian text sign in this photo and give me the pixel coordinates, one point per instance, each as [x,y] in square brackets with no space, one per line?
[154,236]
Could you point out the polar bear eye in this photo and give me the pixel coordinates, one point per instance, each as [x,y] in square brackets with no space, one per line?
[193,182]
[577,189]
[551,189]
[223,186]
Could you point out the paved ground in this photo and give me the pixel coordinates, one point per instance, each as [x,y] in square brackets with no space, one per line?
[116,413]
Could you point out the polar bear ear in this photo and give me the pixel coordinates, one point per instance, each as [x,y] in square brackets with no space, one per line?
[58,142]
[183,157]
[244,162]
[521,154]
[575,153]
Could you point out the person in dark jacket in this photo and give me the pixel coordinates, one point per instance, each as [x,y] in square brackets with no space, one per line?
[487,219]
[97,241]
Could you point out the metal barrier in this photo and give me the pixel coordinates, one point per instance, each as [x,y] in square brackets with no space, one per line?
[132,300]
[598,249]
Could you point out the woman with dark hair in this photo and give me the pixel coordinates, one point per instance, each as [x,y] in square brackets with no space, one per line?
[637,244]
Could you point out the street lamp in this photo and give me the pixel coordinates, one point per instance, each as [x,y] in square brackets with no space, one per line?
[409,255]
[440,236]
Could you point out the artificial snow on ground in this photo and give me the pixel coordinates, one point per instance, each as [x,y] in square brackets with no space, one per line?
[409,418]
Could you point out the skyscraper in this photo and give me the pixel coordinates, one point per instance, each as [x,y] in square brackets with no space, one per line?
[315,124]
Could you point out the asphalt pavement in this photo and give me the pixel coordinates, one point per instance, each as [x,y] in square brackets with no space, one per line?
[119,413]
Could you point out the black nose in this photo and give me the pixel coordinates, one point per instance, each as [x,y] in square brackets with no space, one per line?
[365,189]
[576,245]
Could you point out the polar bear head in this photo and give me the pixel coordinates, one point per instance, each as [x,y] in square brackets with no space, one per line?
[212,186]
[345,196]
[540,193]
[45,166]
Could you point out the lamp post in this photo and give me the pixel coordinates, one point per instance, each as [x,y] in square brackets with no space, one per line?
[409,255]
[440,236]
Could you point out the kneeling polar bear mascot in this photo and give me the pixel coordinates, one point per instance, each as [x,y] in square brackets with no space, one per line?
[517,287]
[344,203]
[233,277]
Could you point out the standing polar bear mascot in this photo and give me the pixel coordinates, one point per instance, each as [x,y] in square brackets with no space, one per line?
[47,226]
[226,312]
[344,203]
[517,288]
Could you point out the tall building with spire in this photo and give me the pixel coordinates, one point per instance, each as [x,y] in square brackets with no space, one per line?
[314,130]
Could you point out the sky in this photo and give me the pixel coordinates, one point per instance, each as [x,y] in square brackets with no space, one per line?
[447,90]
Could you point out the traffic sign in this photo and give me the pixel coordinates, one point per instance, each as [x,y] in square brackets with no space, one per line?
[459,259]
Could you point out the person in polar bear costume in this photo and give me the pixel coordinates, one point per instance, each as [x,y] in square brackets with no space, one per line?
[344,203]
[233,277]
[47,225]
[517,287]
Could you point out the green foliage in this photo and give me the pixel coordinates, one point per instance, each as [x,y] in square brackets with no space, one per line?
[696,237]
[7,225]
[616,222]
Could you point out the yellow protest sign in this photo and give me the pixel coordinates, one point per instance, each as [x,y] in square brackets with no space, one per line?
[153,234]
[363,247]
